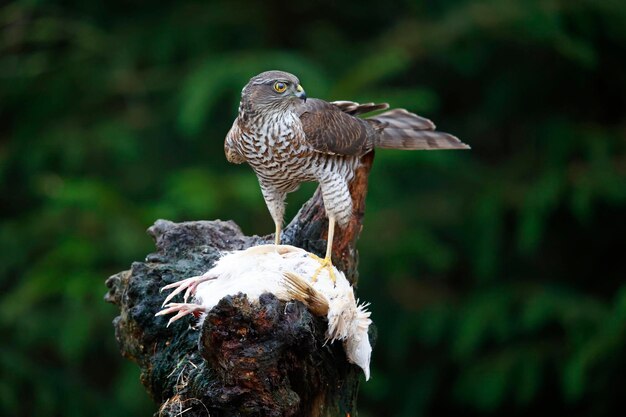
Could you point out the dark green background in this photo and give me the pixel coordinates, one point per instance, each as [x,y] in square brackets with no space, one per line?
[496,276]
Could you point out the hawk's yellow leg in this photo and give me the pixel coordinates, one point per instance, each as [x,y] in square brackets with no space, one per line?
[277,237]
[327,262]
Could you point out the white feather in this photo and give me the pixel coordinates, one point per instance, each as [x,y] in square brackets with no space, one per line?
[261,269]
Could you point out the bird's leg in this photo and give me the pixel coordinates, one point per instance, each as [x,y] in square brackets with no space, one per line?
[338,205]
[277,237]
[275,201]
[327,262]
[188,285]
[181,310]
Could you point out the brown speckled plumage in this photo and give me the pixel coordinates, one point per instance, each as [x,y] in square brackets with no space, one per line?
[288,140]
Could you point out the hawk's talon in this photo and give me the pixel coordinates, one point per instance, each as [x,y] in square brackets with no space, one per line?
[325,263]
[317,258]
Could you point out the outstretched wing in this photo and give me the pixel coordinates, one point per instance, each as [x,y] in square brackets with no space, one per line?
[332,128]
[405,130]
[355,108]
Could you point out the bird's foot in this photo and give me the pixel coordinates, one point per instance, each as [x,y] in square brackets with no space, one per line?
[181,310]
[188,285]
[325,263]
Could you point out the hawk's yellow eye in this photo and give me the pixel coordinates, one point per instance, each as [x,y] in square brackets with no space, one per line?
[280,87]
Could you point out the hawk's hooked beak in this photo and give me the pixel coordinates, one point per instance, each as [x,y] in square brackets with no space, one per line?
[300,93]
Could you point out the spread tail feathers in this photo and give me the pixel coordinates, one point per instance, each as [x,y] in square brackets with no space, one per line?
[400,129]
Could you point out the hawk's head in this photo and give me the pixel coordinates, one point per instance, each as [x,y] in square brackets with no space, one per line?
[273,91]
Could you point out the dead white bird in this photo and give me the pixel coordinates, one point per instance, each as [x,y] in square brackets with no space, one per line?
[285,271]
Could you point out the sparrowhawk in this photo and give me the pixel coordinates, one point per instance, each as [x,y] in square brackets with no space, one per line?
[288,139]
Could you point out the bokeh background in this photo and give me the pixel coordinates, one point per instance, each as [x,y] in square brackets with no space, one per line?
[496,276]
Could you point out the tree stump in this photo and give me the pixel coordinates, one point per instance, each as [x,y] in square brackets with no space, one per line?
[263,359]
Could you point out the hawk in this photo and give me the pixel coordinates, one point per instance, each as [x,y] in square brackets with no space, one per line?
[288,139]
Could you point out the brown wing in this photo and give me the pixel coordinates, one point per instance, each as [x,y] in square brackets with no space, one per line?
[233,155]
[402,129]
[354,108]
[329,129]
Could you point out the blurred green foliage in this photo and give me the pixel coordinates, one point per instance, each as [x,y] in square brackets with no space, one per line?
[495,275]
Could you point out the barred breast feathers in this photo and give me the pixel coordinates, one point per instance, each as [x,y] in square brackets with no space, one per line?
[275,146]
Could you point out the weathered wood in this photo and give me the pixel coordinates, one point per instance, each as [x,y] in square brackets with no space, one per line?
[245,359]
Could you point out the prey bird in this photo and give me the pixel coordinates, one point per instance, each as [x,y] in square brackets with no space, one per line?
[288,139]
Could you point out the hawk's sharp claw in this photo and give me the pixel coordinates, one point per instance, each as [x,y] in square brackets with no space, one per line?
[325,263]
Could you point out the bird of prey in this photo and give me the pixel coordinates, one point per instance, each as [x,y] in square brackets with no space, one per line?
[288,139]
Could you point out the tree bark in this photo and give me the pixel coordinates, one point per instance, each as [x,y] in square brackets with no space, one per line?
[246,359]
